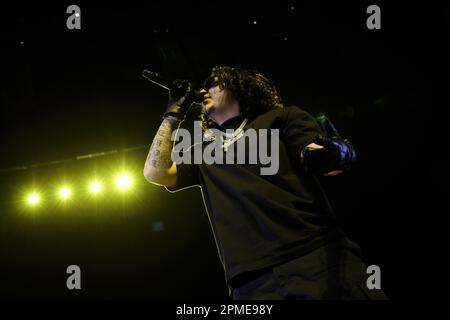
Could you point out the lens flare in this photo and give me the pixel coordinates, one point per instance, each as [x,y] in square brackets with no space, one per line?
[95,187]
[124,181]
[65,193]
[33,199]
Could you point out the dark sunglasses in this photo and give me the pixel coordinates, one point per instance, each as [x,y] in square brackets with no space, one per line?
[209,83]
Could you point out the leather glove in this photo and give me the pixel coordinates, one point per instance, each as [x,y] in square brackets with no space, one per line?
[181,96]
[337,153]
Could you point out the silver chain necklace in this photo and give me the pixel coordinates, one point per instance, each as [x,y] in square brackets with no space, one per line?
[229,138]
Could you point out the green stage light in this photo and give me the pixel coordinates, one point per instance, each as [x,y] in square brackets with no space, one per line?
[95,187]
[65,193]
[124,181]
[33,199]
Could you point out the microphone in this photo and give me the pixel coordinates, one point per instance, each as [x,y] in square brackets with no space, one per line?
[157,79]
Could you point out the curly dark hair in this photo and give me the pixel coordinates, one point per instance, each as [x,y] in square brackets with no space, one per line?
[255,93]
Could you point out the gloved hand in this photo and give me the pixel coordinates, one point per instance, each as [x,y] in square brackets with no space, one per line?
[336,154]
[181,96]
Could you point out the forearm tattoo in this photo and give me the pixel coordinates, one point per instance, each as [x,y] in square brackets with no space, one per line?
[159,156]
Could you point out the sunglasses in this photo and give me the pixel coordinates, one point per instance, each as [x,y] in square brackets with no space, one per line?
[209,83]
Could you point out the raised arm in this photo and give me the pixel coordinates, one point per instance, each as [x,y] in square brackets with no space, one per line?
[159,168]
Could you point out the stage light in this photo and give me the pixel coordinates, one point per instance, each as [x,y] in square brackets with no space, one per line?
[33,199]
[95,187]
[123,181]
[65,193]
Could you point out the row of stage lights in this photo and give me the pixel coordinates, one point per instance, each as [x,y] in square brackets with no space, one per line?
[123,182]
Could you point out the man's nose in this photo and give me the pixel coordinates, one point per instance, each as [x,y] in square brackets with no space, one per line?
[205,94]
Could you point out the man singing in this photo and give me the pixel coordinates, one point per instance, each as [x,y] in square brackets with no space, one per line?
[276,234]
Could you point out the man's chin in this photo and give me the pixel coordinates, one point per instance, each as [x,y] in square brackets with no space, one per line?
[209,109]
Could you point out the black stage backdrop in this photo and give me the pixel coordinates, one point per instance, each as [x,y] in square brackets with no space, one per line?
[66,93]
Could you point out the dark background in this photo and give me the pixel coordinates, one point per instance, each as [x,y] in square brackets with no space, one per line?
[66,93]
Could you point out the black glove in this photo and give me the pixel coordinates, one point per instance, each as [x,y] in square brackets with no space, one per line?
[336,154]
[181,96]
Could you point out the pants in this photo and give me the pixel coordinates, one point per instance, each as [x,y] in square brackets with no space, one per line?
[332,272]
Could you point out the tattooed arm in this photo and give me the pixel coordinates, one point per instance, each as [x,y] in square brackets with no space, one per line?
[159,168]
